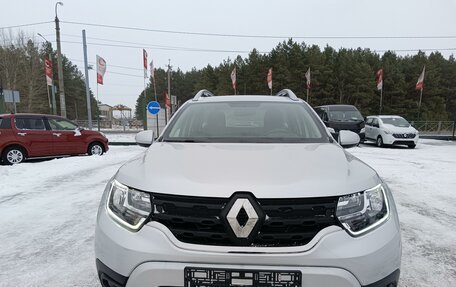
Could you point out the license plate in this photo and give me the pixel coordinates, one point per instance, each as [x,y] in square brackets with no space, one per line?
[207,277]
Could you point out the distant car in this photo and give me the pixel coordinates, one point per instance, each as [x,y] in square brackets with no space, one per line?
[24,136]
[342,117]
[391,130]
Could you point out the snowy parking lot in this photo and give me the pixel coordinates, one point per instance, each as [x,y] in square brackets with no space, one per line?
[48,211]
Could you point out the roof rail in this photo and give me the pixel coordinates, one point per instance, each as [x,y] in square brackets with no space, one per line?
[202,94]
[287,93]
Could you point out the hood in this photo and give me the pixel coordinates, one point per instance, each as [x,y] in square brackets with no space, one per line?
[399,130]
[266,170]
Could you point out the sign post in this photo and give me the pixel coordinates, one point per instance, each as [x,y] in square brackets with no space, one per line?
[12,97]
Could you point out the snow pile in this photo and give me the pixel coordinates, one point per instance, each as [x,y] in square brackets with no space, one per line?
[423,182]
[48,211]
[47,218]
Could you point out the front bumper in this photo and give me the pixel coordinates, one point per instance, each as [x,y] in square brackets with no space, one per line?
[172,274]
[154,257]
[389,139]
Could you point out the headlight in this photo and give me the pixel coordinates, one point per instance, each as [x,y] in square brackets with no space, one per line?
[127,206]
[387,132]
[363,130]
[360,212]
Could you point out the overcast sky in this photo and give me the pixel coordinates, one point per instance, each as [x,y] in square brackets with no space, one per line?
[287,18]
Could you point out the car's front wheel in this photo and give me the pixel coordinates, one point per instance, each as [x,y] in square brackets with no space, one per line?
[13,155]
[379,141]
[95,148]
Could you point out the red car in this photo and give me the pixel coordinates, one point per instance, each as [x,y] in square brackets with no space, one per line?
[25,136]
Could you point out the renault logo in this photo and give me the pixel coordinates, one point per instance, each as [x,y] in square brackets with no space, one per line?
[242,217]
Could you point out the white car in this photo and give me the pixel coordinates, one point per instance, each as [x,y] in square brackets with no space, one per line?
[391,130]
[247,191]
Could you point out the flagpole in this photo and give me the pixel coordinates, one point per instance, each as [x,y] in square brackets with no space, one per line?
[98,110]
[145,106]
[307,95]
[419,105]
[381,100]
[156,116]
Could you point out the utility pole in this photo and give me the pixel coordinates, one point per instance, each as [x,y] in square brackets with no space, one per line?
[169,85]
[86,68]
[63,112]
[54,104]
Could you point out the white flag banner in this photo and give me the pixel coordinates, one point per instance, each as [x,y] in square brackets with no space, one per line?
[101,69]
[145,63]
[380,79]
[420,83]
[269,78]
[308,78]
[233,78]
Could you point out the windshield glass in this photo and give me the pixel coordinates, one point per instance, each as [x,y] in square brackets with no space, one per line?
[396,121]
[344,113]
[272,122]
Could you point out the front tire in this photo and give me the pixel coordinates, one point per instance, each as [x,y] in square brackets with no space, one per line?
[379,141]
[13,155]
[95,148]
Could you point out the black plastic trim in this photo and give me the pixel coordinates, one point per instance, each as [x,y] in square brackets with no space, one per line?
[391,280]
[108,277]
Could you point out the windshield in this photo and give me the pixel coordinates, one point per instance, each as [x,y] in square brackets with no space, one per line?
[396,121]
[345,113]
[272,122]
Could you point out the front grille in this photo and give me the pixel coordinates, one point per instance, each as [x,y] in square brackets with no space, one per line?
[404,136]
[288,222]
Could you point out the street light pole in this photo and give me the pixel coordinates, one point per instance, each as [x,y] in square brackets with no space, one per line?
[63,112]
[54,106]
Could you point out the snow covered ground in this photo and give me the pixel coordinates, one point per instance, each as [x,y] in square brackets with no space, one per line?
[48,211]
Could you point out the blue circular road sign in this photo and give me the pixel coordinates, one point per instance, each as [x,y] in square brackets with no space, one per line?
[153,107]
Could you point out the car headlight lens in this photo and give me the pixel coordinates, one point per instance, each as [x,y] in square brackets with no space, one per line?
[387,132]
[363,130]
[360,212]
[127,206]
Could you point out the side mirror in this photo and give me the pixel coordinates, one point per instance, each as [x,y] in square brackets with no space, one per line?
[348,139]
[145,138]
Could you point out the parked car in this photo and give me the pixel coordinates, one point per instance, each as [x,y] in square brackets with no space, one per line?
[342,117]
[24,136]
[247,191]
[391,130]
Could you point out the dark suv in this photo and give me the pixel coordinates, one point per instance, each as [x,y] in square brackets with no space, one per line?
[342,117]
[32,135]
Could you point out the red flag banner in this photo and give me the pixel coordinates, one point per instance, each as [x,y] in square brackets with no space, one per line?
[145,63]
[101,69]
[269,78]
[379,75]
[48,71]
[233,78]
[420,83]
[167,101]
[307,75]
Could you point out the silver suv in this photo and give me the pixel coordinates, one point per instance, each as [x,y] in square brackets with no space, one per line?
[247,191]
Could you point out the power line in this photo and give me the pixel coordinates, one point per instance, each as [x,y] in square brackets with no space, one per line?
[256,36]
[168,48]
[116,66]
[243,52]
[26,25]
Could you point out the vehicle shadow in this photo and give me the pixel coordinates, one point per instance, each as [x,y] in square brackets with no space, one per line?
[372,144]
